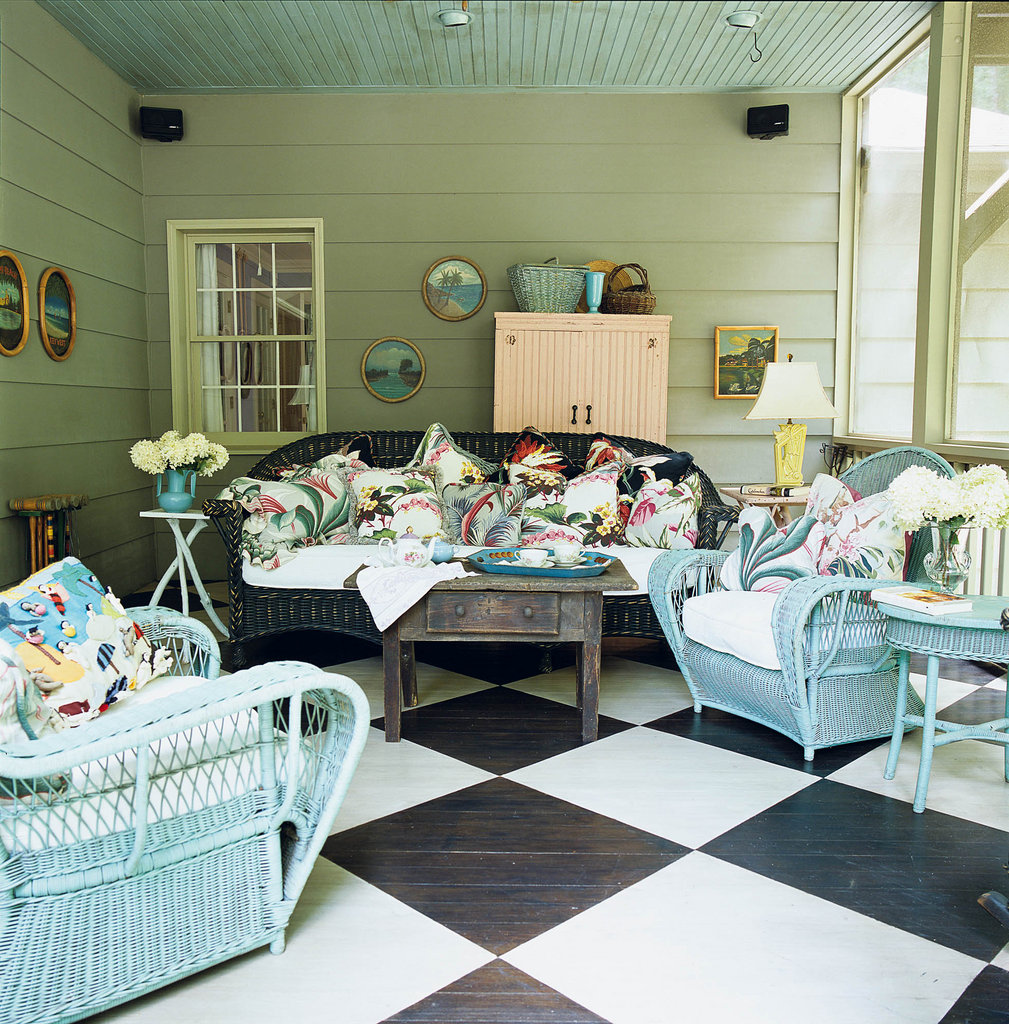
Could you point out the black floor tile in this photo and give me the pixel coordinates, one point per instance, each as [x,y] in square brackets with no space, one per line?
[740,735]
[985,704]
[498,862]
[500,730]
[984,1001]
[497,993]
[919,872]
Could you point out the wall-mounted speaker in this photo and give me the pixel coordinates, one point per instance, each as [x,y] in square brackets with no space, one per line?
[767,122]
[161,123]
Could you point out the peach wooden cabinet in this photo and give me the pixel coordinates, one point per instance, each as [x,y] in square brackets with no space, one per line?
[579,372]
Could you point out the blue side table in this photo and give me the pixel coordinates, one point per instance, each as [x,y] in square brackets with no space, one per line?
[973,635]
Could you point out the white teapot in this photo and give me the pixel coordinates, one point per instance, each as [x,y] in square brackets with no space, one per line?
[407,550]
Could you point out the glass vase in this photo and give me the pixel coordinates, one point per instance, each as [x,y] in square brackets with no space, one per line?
[948,563]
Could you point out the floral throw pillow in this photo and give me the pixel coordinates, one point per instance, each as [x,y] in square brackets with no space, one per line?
[76,641]
[602,450]
[486,514]
[391,502]
[664,514]
[864,540]
[285,515]
[333,463]
[534,451]
[769,558]
[583,510]
[828,495]
[453,465]
[637,470]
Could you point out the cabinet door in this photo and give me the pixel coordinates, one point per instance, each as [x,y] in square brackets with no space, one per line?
[629,383]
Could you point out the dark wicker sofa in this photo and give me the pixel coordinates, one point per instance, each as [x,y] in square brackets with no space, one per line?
[258,612]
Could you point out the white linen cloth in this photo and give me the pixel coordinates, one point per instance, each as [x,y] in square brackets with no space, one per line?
[390,592]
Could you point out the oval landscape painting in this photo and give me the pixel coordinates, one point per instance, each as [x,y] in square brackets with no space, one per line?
[454,288]
[393,369]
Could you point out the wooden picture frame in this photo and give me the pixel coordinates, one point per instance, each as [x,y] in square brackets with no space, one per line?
[741,353]
[385,373]
[57,313]
[13,304]
[454,288]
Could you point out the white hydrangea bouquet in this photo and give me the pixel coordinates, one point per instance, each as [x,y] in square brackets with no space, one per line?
[173,451]
[979,497]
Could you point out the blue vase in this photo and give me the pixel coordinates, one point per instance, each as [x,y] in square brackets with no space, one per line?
[594,289]
[172,493]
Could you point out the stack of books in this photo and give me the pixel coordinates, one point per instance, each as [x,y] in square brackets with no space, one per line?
[931,602]
[775,490]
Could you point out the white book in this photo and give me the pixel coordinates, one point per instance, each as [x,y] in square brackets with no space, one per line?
[930,602]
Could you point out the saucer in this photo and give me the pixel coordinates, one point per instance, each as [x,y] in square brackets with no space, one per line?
[549,563]
[567,563]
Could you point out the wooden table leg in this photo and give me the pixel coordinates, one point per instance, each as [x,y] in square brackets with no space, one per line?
[590,664]
[408,671]
[392,671]
[579,662]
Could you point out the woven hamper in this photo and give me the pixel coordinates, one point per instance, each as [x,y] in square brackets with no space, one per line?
[546,287]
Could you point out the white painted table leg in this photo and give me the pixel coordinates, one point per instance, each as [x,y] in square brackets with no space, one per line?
[185,555]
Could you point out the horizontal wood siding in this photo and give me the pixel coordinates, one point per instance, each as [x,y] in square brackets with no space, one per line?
[71,196]
[732,231]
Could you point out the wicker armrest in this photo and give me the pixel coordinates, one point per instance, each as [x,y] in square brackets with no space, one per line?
[674,576]
[228,517]
[194,649]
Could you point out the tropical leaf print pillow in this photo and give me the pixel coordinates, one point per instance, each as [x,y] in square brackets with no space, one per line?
[864,541]
[391,502]
[285,515]
[664,514]
[453,465]
[534,451]
[583,510]
[769,558]
[486,514]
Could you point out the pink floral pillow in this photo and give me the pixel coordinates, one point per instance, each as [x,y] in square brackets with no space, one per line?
[391,502]
[583,510]
[664,514]
[828,495]
[864,540]
[769,558]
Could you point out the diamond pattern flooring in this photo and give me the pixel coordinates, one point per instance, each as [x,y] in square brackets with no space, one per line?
[492,869]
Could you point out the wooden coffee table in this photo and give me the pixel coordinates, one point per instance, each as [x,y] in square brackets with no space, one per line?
[499,607]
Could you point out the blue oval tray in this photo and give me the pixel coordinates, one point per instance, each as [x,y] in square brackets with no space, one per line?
[496,559]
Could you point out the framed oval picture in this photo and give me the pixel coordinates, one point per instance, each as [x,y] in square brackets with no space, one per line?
[13,304]
[57,313]
[454,288]
[393,369]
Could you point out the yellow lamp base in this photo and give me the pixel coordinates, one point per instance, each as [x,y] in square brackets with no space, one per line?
[789,444]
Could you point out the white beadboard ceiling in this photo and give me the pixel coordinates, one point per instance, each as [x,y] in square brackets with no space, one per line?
[185,46]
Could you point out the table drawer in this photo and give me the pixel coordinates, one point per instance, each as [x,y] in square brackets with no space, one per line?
[485,613]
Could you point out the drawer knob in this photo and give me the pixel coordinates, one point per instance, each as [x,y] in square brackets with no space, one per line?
[460,610]
[527,612]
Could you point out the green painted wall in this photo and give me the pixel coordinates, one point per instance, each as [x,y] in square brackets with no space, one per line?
[732,231]
[71,196]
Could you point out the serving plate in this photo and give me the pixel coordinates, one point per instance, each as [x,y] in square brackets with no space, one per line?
[504,560]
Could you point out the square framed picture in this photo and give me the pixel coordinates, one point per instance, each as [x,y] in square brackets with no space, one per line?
[741,353]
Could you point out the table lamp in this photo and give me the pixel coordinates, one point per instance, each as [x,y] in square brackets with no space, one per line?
[790,391]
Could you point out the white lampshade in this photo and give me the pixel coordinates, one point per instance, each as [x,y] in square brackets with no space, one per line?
[791,391]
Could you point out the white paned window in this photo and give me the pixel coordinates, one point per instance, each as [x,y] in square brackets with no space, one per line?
[980,380]
[247,335]
[889,181]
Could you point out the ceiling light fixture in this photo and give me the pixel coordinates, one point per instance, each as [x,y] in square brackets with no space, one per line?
[747,20]
[452,18]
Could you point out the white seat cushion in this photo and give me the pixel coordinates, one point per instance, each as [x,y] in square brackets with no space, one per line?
[736,622]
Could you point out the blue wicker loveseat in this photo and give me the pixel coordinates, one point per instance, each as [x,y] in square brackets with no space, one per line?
[168,834]
[837,681]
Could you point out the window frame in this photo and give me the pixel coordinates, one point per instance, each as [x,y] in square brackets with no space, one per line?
[948,29]
[187,400]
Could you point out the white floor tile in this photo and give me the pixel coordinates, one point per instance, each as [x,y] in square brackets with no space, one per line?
[629,691]
[433,684]
[1002,960]
[966,778]
[702,940]
[673,787]
[354,955]
[394,776]
[950,690]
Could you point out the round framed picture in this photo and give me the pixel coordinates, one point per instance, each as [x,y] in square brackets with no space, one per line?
[13,304]
[454,288]
[393,369]
[57,313]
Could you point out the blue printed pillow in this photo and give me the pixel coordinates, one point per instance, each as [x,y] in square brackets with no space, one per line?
[769,558]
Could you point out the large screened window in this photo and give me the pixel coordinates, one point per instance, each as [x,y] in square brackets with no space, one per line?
[980,392]
[247,335]
[889,173]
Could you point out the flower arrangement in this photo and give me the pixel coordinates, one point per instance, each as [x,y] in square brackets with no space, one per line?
[173,451]
[979,497]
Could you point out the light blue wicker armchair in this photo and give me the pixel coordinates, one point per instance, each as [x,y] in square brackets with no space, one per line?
[838,678]
[170,834]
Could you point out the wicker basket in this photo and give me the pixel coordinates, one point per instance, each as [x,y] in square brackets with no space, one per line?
[546,287]
[638,298]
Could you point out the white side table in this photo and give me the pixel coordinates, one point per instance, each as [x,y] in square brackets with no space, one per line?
[184,557]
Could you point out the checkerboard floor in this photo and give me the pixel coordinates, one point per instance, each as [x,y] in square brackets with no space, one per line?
[492,868]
